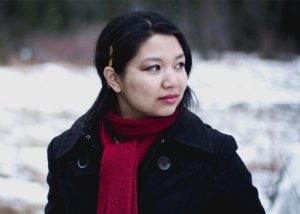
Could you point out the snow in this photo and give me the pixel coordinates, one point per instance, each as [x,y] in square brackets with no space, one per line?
[255,100]
[29,192]
[288,194]
[245,79]
[37,87]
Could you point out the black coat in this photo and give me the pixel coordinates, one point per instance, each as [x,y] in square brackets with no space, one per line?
[192,169]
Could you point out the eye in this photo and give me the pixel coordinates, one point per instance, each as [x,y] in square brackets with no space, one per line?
[179,66]
[153,68]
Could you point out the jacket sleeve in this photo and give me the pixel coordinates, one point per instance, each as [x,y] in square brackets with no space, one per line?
[235,192]
[55,203]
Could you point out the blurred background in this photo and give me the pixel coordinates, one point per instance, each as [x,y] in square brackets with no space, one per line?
[63,29]
[246,76]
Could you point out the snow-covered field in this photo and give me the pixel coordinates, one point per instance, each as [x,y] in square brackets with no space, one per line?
[255,100]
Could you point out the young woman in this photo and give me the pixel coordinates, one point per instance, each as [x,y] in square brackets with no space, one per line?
[139,149]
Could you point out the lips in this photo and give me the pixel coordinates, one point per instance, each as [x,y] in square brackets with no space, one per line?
[169,99]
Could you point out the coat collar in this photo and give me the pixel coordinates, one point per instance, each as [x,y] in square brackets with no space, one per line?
[188,130]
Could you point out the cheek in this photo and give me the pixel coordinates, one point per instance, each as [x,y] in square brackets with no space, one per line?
[183,81]
[141,87]
[144,84]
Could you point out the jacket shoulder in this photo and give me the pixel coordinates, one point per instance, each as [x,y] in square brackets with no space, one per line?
[221,142]
[63,143]
[191,131]
[56,144]
[204,134]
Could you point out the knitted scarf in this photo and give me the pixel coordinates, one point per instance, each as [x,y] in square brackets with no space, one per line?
[122,155]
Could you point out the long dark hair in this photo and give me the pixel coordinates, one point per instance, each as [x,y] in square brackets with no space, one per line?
[120,41]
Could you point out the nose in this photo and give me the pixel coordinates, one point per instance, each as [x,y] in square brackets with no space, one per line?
[170,79]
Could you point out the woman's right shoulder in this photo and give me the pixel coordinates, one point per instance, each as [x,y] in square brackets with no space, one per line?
[57,142]
[64,142]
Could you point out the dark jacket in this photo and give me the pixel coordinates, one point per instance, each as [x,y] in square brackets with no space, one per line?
[191,169]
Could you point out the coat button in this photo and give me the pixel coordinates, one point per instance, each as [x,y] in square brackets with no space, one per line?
[88,137]
[82,164]
[164,163]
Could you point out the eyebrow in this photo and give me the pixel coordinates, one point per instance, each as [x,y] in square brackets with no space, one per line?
[156,59]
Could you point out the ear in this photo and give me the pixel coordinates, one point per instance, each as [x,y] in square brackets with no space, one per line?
[112,79]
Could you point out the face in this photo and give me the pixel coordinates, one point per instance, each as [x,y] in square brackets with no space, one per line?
[154,81]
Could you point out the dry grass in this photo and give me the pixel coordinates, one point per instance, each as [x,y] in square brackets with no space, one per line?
[8,210]
[16,208]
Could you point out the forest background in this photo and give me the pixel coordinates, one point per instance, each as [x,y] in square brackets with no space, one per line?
[62,30]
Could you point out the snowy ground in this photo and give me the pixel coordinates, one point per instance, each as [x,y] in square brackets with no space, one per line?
[255,100]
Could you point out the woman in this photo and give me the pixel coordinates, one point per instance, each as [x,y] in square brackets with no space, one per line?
[139,149]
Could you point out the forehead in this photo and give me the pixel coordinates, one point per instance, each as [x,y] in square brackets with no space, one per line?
[160,45]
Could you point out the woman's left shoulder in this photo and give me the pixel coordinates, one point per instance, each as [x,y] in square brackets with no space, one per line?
[221,141]
[203,133]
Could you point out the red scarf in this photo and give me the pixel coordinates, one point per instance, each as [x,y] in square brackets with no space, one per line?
[120,161]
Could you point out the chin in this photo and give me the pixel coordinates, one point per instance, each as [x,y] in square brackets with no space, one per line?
[166,112]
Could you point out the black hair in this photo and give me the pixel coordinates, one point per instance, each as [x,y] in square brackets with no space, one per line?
[120,40]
